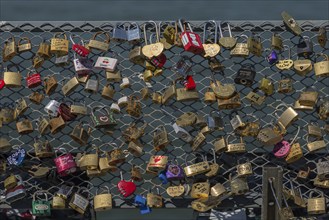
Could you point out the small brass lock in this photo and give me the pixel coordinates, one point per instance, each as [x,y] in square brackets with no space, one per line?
[231,103]
[285,86]
[10,182]
[59,46]
[276,42]
[108,91]
[322,168]
[269,136]
[209,97]
[50,84]
[205,204]
[103,200]
[291,24]
[43,149]
[169,93]
[218,190]
[23,47]
[134,107]
[303,174]
[135,148]
[303,67]
[133,132]
[314,131]
[70,86]
[160,138]
[255,45]
[316,206]
[198,141]
[239,185]
[241,49]
[287,117]
[266,86]
[80,135]
[9,49]
[56,124]
[21,107]
[255,98]
[214,166]
[154,200]
[43,125]
[157,98]
[295,153]
[36,97]
[220,145]
[136,56]
[197,168]
[92,84]
[58,202]
[308,98]
[237,147]
[323,111]
[315,145]
[25,126]
[244,169]
[99,45]
[113,76]
[5,146]
[12,79]
[186,119]
[200,190]
[89,161]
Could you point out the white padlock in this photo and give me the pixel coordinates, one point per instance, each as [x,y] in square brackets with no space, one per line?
[182,133]
[123,101]
[115,108]
[52,108]
[106,63]
[125,83]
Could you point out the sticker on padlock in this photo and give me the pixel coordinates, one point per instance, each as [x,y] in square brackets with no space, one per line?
[191,41]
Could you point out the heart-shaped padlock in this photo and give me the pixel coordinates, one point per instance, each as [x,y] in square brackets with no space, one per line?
[126,188]
[281,149]
[2,83]
[174,172]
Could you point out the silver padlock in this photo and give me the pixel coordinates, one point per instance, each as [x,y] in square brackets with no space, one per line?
[125,83]
[182,133]
[119,33]
[236,121]
[82,66]
[78,202]
[52,108]
[92,85]
[133,33]
[215,122]
[62,60]
[115,108]
[16,193]
[322,168]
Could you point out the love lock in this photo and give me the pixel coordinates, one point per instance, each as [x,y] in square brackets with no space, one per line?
[186,119]
[38,171]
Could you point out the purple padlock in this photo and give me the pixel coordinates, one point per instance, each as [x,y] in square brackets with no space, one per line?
[272,58]
[281,149]
[174,172]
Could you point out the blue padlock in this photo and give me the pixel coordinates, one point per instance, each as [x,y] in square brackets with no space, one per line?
[272,58]
[162,176]
[145,209]
[140,200]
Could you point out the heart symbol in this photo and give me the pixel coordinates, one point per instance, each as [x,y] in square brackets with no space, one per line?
[156,49]
[2,83]
[104,118]
[301,67]
[126,188]
[146,50]
[157,159]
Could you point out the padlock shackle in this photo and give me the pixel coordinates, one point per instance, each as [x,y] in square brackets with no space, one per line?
[57,34]
[22,39]
[205,31]
[102,190]
[72,36]
[227,139]
[277,108]
[10,66]
[62,150]
[107,40]
[228,27]
[322,55]
[242,36]
[156,31]
[44,192]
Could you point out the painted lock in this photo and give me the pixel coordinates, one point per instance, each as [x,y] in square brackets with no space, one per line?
[174,172]
[157,163]
[65,163]
[41,207]
[200,190]
[191,41]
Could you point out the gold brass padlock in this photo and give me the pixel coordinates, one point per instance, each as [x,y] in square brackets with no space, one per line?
[286,63]
[209,97]
[183,95]
[322,168]
[104,161]
[316,206]
[276,42]
[220,145]
[12,79]
[56,124]
[236,147]
[24,127]
[147,75]
[321,68]
[145,93]
[158,72]
[7,115]
[136,56]
[315,145]
[134,131]
[157,98]
[136,174]
[239,185]
[303,67]
[36,97]
[314,131]
[266,86]
[78,109]
[154,200]
[79,202]
[5,146]
[103,200]
[186,119]
[10,182]
[241,48]
[244,169]
[198,141]
[308,98]
[43,125]
[287,117]
[255,98]
[205,204]
[255,45]
[197,168]
[58,202]
[300,107]
[114,76]
[269,136]
[70,86]
[285,86]
[321,183]
[134,107]
[135,148]
[44,50]
[89,161]
[117,155]
[200,190]
[157,163]
[9,49]
[303,174]
[80,135]
[160,138]
[295,153]
[42,149]
[169,93]
[23,47]
[236,121]
[50,84]
[217,190]
[59,46]
[214,166]
[175,191]
[21,107]
[108,91]
[231,103]
[99,45]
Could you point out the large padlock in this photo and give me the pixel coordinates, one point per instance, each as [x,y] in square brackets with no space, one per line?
[106,63]
[79,202]
[12,79]
[191,41]
[245,75]
[23,47]
[92,84]
[41,207]
[99,45]
[321,68]
[241,48]
[65,163]
[255,45]
[33,80]
[70,86]
[103,200]
[160,138]
[215,122]
[59,46]
[9,49]
[42,149]
[79,49]
[316,206]
[133,33]
[226,42]
[80,135]
[305,47]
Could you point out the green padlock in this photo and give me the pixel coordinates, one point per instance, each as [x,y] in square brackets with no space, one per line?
[41,207]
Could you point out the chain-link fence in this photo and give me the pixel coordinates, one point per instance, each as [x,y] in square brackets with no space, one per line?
[156,115]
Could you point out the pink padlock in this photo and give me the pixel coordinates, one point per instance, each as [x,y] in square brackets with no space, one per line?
[65,163]
[281,149]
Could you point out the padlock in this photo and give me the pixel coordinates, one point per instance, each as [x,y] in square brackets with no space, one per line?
[287,117]
[168,33]
[281,149]
[174,171]
[291,23]
[119,33]
[157,163]
[183,66]
[303,67]
[322,37]
[79,49]
[65,112]
[175,191]
[182,133]
[314,130]
[160,138]
[191,41]
[215,122]
[41,207]
[154,200]
[295,153]
[36,97]
[305,47]
[303,174]
[80,135]
[113,76]
[222,91]
[117,156]
[145,93]
[136,174]
[322,168]
[220,145]
[134,131]
[78,109]
[217,190]
[200,190]
[255,45]
[42,149]
[255,98]
[58,202]
[59,46]
[157,98]
[33,80]
[108,91]
[135,148]
[79,202]
[153,49]
[50,84]
[209,97]
[103,200]
[276,42]
[239,185]
[23,47]
[25,126]
[236,147]
[62,60]
[99,45]
[5,146]
[21,107]
[286,63]
[183,95]
[126,188]
[65,163]
[70,86]
[189,83]
[321,68]
[136,56]
[101,120]
[7,115]
[9,49]
[12,79]
[215,65]
[298,106]
[16,193]
[316,205]
[210,49]
[134,107]
[236,121]
[323,111]
[43,125]
[92,84]
[186,119]
[214,166]
[10,182]
[285,85]
[82,66]
[17,157]
[250,129]
[197,168]
[231,103]
[44,50]
[52,108]
[56,124]
[200,121]
[103,163]
[245,75]
[244,169]
[226,42]
[169,93]
[271,57]
[315,145]
[147,75]
[89,161]
[268,136]
[205,204]
[241,48]
[125,83]
[321,183]
[198,141]
[106,63]
[133,33]
[123,102]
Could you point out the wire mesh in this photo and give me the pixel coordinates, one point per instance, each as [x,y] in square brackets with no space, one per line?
[156,115]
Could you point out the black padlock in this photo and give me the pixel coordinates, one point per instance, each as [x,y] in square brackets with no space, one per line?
[305,47]
[245,75]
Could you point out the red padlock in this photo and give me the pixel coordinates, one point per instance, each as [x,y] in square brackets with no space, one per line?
[159,61]
[33,80]
[65,111]
[191,41]
[65,163]
[80,49]
[2,83]
[189,83]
